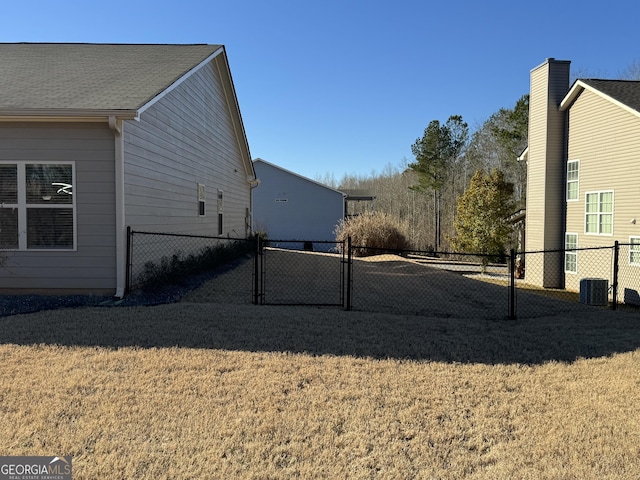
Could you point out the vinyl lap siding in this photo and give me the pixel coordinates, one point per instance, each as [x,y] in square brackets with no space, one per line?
[185,139]
[291,207]
[536,162]
[90,269]
[608,147]
[545,172]
[556,159]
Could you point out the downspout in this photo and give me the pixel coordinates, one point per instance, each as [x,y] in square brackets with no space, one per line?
[116,125]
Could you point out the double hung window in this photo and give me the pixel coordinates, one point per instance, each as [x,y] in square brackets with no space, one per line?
[570,253]
[37,207]
[599,213]
[573,183]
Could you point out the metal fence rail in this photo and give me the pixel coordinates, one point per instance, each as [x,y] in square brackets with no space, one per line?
[441,284]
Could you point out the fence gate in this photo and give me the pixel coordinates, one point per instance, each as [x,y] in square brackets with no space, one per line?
[294,272]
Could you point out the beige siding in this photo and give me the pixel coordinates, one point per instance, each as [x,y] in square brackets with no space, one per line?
[606,140]
[536,167]
[91,268]
[545,174]
[182,140]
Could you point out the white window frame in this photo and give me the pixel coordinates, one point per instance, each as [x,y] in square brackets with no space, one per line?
[220,212]
[23,206]
[568,254]
[202,200]
[575,181]
[634,242]
[599,214]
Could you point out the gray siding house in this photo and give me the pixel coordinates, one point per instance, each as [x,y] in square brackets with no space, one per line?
[287,206]
[95,138]
[583,188]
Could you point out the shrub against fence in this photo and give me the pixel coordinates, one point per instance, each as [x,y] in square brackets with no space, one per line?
[157,259]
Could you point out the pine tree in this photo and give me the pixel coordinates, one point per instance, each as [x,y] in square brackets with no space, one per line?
[437,153]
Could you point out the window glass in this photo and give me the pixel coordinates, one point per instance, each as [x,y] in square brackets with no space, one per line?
[573,170]
[202,196]
[37,208]
[49,183]
[9,228]
[8,183]
[49,228]
[599,212]
[571,256]
[634,250]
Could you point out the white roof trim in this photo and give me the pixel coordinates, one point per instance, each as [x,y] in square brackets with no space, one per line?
[577,89]
[65,115]
[180,80]
[524,155]
[260,160]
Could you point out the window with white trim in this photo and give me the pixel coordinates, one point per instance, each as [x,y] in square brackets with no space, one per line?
[202,198]
[570,253]
[220,212]
[634,251]
[599,213]
[37,207]
[573,180]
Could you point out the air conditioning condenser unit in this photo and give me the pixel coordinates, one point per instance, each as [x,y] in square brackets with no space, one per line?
[594,291]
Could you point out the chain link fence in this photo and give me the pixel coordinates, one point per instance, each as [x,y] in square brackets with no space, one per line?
[628,275]
[430,284]
[406,282]
[576,280]
[300,273]
[159,259]
[553,282]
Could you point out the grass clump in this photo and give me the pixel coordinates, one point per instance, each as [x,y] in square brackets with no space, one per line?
[372,233]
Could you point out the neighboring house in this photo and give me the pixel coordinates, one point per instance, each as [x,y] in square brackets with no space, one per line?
[95,138]
[287,206]
[583,187]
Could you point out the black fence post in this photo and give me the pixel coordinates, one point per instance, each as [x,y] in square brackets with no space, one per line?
[256,270]
[349,267]
[128,267]
[614,286]
[512,285]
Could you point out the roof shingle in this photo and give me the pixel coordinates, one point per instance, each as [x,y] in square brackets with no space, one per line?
[57,76]
[626,92]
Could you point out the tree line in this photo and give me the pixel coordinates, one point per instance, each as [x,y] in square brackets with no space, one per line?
[461,187]
[426,195]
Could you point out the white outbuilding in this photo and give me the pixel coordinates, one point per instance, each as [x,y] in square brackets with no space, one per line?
[288,206]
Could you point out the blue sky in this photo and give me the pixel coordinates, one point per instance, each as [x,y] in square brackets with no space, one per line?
[345,87]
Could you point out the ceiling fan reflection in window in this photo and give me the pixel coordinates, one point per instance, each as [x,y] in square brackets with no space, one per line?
[64,188]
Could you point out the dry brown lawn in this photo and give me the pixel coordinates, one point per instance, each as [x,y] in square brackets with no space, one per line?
[233,390]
